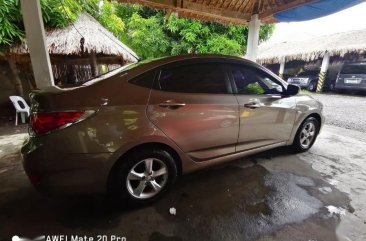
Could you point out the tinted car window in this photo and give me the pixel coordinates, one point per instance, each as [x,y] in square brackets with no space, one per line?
[194,78]
[144,80]
[254,81]
[354,69]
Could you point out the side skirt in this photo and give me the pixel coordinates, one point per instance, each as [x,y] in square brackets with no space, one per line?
[193,166]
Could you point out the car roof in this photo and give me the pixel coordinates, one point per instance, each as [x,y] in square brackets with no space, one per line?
[152,63]
[355,63]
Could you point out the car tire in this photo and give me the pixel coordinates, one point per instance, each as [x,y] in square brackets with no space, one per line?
[135,184]
[312,86]
[306,135]
[331,87]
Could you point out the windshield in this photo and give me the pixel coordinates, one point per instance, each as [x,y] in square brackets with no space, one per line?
[354,69]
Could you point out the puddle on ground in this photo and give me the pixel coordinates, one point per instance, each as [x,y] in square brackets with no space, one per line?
[232,203]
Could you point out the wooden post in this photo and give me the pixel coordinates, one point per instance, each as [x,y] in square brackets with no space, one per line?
[93,64]
[16,80]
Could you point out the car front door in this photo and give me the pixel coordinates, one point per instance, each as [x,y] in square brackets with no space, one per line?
[266,115]
[193,105]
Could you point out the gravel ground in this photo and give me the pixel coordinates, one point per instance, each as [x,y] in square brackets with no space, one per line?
[344,110]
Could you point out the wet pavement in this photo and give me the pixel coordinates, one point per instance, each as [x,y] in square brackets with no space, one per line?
[275,195]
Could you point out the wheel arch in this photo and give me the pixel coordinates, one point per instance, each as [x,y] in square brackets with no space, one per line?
[316,115]
[157,145]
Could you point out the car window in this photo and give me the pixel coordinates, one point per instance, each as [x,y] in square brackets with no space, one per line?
[249,80]
[354,69]
[194,78]
[144,80]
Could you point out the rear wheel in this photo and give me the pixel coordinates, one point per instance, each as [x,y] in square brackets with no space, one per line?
[144,176]
[306,135]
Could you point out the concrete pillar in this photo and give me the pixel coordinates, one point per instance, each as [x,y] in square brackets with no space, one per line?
[323,72]
[282,67]
[35,35]
[253,38]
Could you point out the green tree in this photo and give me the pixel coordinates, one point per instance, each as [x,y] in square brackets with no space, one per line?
[146,37]
[151,35]
[11,27]
[108,18]
[145,30]
[55,13]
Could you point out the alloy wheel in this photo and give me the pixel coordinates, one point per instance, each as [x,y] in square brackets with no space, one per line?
[147,178]
[307,135]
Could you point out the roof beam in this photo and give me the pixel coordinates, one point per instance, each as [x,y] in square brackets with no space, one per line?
[266,15]
[200,10]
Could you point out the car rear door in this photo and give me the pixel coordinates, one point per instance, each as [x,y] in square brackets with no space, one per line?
[193,105]
[266,116]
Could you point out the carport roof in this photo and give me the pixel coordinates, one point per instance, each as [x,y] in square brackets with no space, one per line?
[67,41]
[337,44]
[240,11]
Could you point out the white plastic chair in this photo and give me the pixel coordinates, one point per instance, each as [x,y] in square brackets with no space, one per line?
[21,108]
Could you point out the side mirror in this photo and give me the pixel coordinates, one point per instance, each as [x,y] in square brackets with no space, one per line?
[292,90]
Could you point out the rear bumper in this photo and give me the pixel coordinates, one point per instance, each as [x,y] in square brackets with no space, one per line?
[300,85]
[54,173]
[350,87]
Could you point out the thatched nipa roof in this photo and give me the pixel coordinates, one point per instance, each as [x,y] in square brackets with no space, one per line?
[337,44]
[97,39]
[224,11]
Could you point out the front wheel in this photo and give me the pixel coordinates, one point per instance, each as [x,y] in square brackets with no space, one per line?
[306,135]
[144,176]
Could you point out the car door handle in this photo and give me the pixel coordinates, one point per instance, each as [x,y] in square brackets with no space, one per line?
[252,105]
[171,104]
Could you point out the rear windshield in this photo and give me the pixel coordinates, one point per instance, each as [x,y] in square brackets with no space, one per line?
[354,69]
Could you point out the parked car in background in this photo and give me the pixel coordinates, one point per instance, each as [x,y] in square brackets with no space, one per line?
[309,80]
[352,77]
[133,131]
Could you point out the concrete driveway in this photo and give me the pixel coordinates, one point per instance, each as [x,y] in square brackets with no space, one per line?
[276,195]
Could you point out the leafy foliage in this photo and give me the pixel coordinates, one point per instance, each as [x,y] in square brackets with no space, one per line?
[146,36]
[10,21]
[108,18]
[150,33]
[55,13]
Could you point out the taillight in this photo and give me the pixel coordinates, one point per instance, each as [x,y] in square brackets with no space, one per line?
[44,122]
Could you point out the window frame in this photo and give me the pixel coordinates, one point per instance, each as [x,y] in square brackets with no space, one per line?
[221,62]
[231,66]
